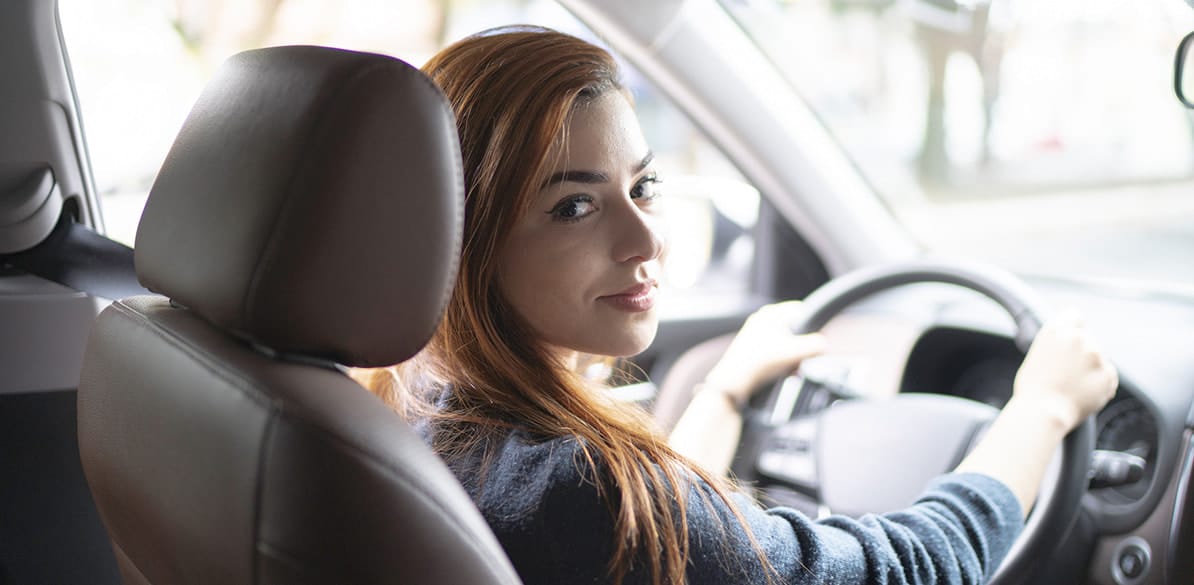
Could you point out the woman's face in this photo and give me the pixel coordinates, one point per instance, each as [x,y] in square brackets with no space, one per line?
[582,265]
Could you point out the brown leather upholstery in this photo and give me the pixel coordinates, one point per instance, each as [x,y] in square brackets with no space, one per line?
[309,211]
[308,191]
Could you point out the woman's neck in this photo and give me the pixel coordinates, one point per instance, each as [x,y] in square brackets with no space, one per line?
[569,359]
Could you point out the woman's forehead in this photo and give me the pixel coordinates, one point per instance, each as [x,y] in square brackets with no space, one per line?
[600,134]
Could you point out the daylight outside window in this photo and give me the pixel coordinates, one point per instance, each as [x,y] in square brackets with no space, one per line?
[1041,135]
[138,69]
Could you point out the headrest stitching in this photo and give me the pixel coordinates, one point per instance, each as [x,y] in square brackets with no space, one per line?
[297,358]
[183,343]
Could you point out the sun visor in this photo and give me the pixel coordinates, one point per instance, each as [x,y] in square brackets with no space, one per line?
[30,204]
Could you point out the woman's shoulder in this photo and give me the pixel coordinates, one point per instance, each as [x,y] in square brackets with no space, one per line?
[514,473]
[541,499]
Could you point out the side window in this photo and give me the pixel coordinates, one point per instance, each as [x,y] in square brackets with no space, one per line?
[712,210]
[138,66]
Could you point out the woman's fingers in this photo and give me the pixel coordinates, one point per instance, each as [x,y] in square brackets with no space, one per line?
[1065,369]
[764,348]
[800,347]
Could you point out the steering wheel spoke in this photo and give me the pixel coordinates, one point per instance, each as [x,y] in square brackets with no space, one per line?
[799,394]
[788,455]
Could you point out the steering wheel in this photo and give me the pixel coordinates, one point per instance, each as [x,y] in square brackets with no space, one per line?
[792,441]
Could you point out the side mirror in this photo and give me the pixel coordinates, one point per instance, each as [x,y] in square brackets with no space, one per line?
[1183,71]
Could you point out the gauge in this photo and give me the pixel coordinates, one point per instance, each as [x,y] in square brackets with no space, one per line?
[988,381]
[1127,426]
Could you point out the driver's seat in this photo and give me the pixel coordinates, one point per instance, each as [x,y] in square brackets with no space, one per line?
[307,218]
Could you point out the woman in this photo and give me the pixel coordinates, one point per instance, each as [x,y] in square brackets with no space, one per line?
[561,261]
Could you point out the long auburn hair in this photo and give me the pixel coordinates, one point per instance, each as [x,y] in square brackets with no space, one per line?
[512,91]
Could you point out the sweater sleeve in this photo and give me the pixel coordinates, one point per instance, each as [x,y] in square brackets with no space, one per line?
[542,502]
[957,532]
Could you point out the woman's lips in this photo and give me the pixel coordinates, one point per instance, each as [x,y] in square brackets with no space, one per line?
[636,299]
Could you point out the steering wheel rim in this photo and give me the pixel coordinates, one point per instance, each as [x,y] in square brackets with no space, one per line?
[1058,504]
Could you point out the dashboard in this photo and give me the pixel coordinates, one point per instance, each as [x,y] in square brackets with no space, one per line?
[933,338]
[982,367]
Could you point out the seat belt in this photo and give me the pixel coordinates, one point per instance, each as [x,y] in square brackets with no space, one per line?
[76,257]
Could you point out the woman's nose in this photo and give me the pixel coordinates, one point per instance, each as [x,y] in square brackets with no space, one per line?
[640,235]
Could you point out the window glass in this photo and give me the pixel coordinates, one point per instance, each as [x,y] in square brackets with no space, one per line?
[140,64]
[1042,135]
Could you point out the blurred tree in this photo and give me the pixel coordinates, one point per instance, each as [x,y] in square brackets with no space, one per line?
[945,27]
[211,30]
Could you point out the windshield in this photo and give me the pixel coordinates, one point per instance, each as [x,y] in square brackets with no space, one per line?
[1041,135]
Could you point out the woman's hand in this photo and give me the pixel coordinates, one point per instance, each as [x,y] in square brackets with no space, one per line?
[764,348]
[1062,381]
[1063,375]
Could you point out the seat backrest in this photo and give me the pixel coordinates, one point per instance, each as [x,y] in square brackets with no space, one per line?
[307,218]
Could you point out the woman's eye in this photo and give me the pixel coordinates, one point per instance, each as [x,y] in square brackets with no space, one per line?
[573,208]
[645,188]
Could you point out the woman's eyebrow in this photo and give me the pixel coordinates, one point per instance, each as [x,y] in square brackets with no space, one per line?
[592,177]
[587,177]
[646,161]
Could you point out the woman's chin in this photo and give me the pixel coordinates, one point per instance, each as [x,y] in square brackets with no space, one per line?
[636,343]
[627,343]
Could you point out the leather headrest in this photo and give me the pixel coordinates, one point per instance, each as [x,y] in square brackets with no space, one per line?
[311,204]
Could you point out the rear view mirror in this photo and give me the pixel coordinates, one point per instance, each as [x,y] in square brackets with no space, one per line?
[1183,71]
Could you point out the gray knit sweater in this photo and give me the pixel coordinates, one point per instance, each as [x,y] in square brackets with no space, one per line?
[541,501]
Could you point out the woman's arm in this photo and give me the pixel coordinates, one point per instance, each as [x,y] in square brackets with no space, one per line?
[958,532]
[708,431]
[764,349]
[1062,381]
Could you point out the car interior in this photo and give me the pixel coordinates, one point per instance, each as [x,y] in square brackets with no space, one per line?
[177,409]
[231,386]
